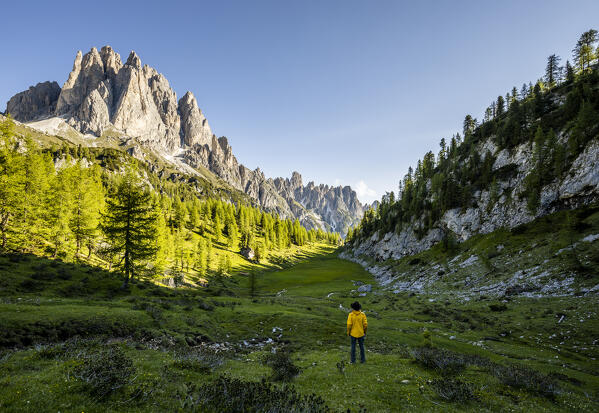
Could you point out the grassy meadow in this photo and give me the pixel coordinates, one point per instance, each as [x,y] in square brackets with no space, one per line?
[72,340]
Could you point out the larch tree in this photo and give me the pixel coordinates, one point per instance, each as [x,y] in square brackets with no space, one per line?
[60,208]
[129,225]
[12,180]
[87,197]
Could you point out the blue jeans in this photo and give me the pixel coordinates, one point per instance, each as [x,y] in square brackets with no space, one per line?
[360,341]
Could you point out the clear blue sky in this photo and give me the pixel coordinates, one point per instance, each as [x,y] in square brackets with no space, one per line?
[342,91]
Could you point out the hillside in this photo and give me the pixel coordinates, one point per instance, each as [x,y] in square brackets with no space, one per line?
[535,153]
[106,102]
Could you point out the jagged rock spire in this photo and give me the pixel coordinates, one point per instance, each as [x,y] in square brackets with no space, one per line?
[194,125]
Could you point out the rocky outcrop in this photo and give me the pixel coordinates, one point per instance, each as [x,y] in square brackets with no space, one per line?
[37,102]
[135,101]
[194,125]
[336,208]
[579,186]
[336,205]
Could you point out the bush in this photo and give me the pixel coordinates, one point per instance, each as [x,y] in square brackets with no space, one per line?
[228,395]
[105,370]
[527,379]
[46,331]
[453,390]
[283,368]
[42,275]
[202,362]
[444,361]
[497,307]
[205,306]
[154,312]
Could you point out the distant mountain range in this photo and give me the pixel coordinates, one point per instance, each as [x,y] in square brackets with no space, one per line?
[106,102]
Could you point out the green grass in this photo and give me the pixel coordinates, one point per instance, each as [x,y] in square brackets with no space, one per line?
[300,301]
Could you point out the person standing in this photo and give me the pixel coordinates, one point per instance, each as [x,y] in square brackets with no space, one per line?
[356,330]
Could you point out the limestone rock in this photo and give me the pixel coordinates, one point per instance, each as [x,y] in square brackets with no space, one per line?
[194,125]
[248,253]
[580,186]
[37,102]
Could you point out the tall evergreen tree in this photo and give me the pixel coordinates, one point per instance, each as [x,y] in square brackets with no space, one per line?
[569,72]
[584,51]
[87,199]
[500,106]
[129,225]
[552,71]
[12,181]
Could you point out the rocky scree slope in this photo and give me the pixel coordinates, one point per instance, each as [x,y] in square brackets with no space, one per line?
[104,97]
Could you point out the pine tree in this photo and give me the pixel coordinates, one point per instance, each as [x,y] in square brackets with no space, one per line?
[569,72]
[514,95]
[552,71]
[129,225]
[500,106]
[584,51]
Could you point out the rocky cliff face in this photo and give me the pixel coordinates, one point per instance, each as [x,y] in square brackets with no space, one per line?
[36,102]
[102,94]
[579,186]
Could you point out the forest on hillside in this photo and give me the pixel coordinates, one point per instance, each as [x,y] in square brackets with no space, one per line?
[79,203]
[558,116]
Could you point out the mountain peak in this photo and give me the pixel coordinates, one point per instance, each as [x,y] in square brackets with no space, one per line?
[111,60]
[134,60]
[101,93]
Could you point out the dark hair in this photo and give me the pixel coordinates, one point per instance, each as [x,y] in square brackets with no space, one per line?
[356,306]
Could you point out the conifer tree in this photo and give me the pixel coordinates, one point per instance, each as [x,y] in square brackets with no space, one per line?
[552,71]
[584,51]
[87,199]
[231,231]
[217,229]
[194,217]
[12,179]
[162,240]
[60,208]
[201,256]
[569,72]
[129,225]
[500,106]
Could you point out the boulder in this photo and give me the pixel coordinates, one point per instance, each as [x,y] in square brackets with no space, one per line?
[248,253]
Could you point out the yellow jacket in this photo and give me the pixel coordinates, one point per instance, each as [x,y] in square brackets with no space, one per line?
[356,324]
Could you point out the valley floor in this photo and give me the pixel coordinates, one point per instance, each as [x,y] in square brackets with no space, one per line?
[478,355]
